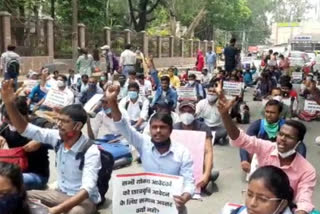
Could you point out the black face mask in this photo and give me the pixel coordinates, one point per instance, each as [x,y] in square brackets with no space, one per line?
[161,145]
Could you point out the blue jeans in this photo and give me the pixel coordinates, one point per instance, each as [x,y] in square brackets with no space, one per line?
[127,69]
[34,181]
[7,76]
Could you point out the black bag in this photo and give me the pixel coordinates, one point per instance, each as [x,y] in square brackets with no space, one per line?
[13,67]
[104,173]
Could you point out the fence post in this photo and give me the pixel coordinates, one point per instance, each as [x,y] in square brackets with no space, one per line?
[171,46]
[107,36]
[159,45]
[145,43]
[182,47]
[127,36]
[191,48]
[82,35]
[212,45]
[5,37]
[205,45]
[49,35]
[198,45]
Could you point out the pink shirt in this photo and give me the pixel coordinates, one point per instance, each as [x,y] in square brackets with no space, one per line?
[301,173]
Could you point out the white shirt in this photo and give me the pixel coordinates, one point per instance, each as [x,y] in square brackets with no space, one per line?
[134,110]
[69,99]
[6,57]
[128,57]
[106,123]
[209,113]
[206,79]
[146,88]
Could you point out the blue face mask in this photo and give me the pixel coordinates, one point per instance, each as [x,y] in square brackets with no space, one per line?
[133,95]
[10,203]
[107,111]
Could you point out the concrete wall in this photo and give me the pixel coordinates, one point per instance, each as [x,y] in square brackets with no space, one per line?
[34,63]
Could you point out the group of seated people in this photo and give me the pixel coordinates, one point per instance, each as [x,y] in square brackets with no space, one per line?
[144,110]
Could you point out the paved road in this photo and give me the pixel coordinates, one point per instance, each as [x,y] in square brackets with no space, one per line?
[231,181]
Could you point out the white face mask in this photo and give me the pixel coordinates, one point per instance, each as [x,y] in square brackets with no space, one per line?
[186,118]
[288,153]
[278,98]
[212,98]
[60,83]
[12,128]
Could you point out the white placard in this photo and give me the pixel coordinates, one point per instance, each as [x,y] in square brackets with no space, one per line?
[310,105]
[197,73]
[232,88]
[146,193]
[247,60]
[55,98]
[185,93]
[297,75]
[92,102]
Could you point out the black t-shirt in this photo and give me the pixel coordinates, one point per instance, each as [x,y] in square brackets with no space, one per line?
[230,53]
[197,126]
[38,160]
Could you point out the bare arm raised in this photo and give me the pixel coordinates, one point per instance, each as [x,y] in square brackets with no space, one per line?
[8,97]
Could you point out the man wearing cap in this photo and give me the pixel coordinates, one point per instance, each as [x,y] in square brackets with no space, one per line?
[187,110]
[108,56]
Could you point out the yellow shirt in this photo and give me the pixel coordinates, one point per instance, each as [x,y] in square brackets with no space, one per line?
[175,81]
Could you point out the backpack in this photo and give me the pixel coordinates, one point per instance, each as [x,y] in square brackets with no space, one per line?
[262,132]
[13,67]
[115,62]
[104,173]
[128,102]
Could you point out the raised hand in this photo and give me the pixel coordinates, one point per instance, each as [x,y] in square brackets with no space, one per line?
[224,105]
[7,91]
[112,92]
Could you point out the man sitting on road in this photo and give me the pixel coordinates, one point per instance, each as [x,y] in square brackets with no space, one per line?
[267,129]
[77,191]
[192,83]
[158,154]
[136,106]
[281,154]
[207,110]
[187,111]
[87,94]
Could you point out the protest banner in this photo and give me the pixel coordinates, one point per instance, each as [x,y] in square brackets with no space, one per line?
[232,88]
[247,60]
[55,98]
[197,73]
[297,75]
[146,193]
[310,105]
[89,106]
[185,93]
[194,141]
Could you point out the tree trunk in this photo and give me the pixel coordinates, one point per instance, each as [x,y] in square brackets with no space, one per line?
[53,8]
[74,30]
[195,23]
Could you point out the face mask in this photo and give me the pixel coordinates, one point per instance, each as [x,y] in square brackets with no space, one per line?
[191,82]
[288,153]
[70,134]
[278,98]
[212,98]
[103,78]
[107,111]
[10,203]
[161,145]
[133,95]
[60,83]
[186,118]
[12,128]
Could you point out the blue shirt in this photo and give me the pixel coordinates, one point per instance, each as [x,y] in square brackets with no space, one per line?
[70,178]
[211,58]
[176,161]
[37,94]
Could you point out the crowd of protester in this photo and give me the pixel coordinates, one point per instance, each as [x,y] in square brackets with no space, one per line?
[139,106]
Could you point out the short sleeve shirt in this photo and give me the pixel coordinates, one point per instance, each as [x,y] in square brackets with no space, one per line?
[197,126]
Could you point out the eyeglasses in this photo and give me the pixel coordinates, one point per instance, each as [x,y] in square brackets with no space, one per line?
[261,199]
[281,134]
